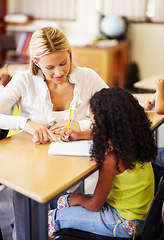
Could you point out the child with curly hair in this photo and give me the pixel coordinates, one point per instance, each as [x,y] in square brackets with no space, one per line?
[123,146]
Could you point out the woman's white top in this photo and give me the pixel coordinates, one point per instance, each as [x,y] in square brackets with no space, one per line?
[33,96]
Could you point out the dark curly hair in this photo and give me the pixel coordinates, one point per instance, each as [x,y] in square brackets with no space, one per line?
[120,119]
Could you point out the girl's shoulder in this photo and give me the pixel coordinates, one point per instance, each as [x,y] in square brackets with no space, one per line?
[111,163]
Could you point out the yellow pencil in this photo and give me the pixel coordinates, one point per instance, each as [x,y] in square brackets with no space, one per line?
[69,118]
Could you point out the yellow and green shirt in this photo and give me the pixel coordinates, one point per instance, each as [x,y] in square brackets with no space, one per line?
[132,192]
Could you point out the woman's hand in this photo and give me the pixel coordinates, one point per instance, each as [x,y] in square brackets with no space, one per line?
[58,127]
[41,134]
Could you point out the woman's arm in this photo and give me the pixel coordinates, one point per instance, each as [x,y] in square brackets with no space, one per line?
[40,133]
[159,103]
[106,175]
[8,97]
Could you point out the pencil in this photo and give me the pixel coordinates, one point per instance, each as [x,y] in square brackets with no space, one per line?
[69,118]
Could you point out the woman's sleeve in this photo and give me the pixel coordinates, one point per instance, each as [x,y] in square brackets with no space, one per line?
[12,122]
[10,95]
[84,124]
[1,87]
[96,83]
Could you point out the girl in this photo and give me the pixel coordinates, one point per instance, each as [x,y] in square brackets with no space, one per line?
[123,146]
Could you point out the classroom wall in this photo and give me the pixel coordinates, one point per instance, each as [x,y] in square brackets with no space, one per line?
[147,39]
[147,48]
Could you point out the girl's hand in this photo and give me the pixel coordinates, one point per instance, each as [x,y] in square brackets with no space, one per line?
[41,134]
[148,105]
[58,127]
[151,103]
[75,199]
[159,85]
[159,104]
[70,135]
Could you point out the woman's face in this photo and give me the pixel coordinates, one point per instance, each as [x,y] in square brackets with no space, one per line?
[55,66]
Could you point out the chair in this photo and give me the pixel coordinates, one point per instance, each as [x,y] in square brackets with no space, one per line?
[158,173]
[148,233]
[3,134]
[1,234]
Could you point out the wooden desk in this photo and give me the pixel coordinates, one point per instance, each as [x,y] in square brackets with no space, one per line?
[109,62]
[28,169]
[13,69]
[147,83]
[155,118]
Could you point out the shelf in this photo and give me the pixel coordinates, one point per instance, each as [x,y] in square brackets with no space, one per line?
[33,26]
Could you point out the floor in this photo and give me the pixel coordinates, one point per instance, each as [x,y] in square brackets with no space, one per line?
[6,213]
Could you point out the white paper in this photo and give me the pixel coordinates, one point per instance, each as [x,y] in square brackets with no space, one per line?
[152,110]
[72,148]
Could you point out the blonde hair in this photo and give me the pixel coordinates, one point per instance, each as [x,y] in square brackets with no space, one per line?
[45,41]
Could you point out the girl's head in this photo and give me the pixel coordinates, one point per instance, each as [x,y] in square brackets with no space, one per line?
[120,120]
[46,41]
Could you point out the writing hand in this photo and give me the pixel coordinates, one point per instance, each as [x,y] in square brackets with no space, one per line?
[58,127]
[151,103]
[70,135]
[148,105]
[41,134]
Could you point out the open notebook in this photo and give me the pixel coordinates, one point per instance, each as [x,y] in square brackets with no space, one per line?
[74,148]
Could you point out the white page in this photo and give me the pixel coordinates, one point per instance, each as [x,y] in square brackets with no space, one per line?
[72,148]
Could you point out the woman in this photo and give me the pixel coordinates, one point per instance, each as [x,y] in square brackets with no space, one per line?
[44,94]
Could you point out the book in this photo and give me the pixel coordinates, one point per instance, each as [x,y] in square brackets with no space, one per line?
[71,148]
[26,44]
[21,42]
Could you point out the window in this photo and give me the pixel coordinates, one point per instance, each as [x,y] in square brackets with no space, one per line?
[136,10]
[48,9]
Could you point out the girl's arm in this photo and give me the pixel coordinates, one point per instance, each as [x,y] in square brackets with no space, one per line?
[107,172]
[159,103]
